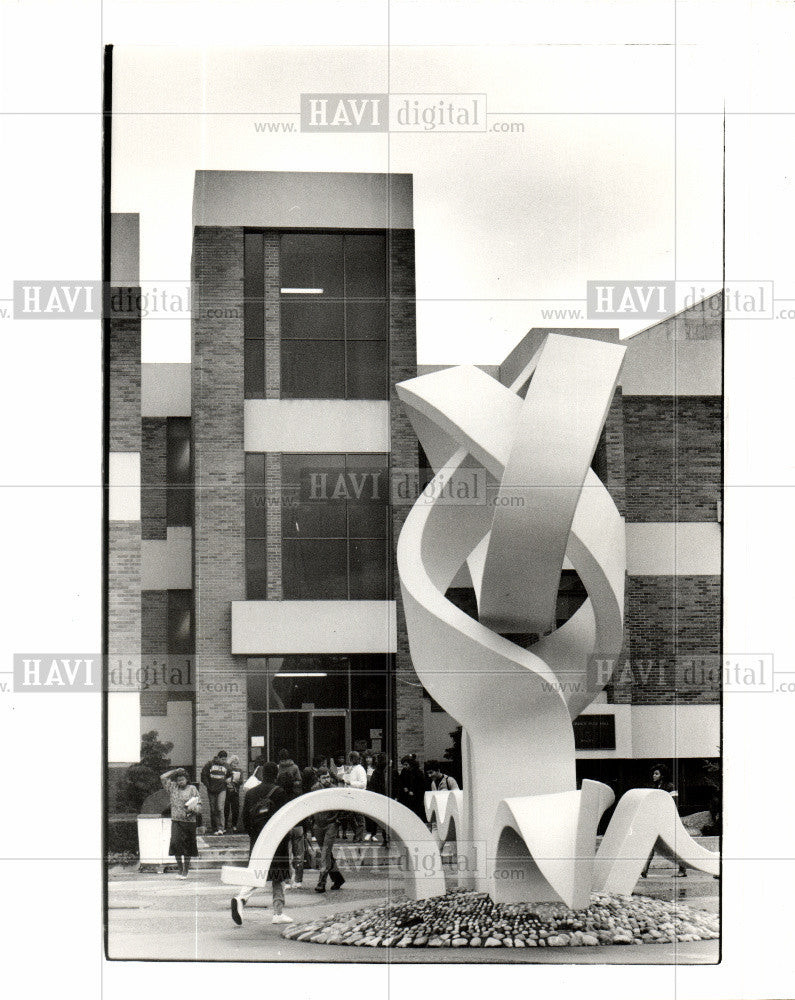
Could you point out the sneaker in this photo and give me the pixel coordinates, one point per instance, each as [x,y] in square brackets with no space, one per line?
[320,887]
[180,875]
[281,918]
[237,910]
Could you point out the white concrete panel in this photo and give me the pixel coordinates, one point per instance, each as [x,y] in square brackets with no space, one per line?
[291,199]
[316,425]
[124,486]
[124,727]
[124,249]
[261,627]
[675,731]
[683,549]
[167,564]
[165,390]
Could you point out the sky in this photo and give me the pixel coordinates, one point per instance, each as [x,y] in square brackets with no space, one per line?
[601,183]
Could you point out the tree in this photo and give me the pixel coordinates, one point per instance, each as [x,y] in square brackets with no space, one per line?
[144,778]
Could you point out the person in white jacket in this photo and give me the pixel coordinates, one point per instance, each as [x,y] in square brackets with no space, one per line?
[356,777]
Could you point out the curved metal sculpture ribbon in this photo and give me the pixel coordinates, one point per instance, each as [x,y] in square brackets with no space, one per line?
[645,819]
[423,862]
[545,506]
[445,809]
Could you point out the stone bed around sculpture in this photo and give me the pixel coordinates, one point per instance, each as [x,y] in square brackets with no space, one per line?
[468,919]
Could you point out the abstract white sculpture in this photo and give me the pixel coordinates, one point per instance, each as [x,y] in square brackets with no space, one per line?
[520,805]
[425,878]
[524,832]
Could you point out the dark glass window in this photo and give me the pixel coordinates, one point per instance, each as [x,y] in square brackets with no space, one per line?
[256,569]
[314,569]
[334,316]
[300,681]
[256,526]
[313,369]
[314,705]
[179,473]
[179,637]
[313,261]
[335,527]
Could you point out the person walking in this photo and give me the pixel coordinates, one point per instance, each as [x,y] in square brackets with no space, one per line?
[260,805]
[356,777]
[214,775]
[232,804]
[185,804]
[326,828]
[299,836]
[288,766]
[380,782]
[661,778]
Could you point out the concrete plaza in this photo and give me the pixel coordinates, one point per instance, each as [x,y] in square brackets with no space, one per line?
[154,916]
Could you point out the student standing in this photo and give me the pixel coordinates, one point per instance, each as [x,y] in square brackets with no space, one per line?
[232,804]
[214,775]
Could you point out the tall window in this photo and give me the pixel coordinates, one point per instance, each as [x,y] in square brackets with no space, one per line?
[179,495]
[333,312]
[256,545]
[179,639]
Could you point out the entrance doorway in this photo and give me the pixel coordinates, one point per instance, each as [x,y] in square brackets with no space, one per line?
[309,734]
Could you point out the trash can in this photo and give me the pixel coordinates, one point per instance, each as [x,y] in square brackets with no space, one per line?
[154,836]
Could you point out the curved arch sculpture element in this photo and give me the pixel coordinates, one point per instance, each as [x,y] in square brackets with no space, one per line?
[423,867]
[545,845]
[515,704]
[645,819]
[445,809]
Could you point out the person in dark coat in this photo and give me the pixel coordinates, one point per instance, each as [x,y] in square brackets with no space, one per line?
[411,786]
[380,781]
[259,807]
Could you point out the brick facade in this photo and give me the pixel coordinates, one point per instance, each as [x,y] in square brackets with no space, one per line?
[154,643]
[153,478]
[273,316]
[273,524]
[672,624]
[124,379]
[219,529]
[408,714]
[124,589]
[673,457]
[124,537]
[614,452]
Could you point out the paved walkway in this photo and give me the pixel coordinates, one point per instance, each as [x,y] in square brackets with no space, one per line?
[161,916]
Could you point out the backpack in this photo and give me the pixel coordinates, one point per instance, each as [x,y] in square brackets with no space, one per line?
[262,810]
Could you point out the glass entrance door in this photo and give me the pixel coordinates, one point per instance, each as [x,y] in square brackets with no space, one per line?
[329,734]
[309,734]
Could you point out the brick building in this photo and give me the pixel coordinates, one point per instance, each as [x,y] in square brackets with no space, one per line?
[252,531]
